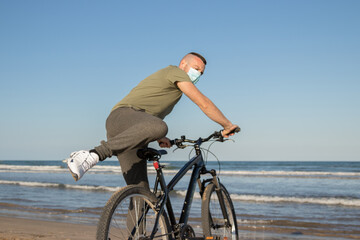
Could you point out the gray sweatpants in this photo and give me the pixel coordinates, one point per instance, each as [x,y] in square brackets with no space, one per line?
[127,131]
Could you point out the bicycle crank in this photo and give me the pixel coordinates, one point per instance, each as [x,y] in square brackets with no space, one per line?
[187,232]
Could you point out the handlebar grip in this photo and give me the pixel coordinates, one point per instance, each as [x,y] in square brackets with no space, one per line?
[236,130]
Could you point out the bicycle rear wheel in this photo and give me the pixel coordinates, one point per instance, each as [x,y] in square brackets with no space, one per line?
[130,214]
[213,220]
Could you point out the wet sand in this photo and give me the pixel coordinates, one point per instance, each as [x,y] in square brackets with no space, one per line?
[12,228]
[28,229]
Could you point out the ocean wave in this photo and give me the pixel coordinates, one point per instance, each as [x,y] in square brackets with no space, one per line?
[300,200]
[278,199]
[101,169]
[235,197]
[5,167]
[60,185]
[59,169]
[292,173]
[51,211]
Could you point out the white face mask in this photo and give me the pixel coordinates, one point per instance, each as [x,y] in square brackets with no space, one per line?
[194,75]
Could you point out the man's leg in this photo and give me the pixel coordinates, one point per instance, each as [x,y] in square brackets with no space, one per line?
[135,173]
[133,168]
[127,129]
[130,131]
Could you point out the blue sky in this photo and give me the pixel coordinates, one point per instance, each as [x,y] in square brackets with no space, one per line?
[287,72]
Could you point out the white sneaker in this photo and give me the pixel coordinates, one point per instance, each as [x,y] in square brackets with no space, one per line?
[81,161]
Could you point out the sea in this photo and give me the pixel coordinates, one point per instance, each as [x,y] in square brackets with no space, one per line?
[272,199]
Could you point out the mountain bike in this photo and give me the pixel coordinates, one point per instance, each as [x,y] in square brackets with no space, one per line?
[134,212]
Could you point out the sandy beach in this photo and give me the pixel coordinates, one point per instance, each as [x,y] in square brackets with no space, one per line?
[29,229]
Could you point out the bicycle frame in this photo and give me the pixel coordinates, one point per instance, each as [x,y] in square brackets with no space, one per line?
[199,169]
[159,202]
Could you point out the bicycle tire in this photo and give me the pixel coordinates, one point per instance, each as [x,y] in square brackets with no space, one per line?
[118,222]
[212,217]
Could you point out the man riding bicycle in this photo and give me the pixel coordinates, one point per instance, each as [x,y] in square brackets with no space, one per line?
[137,119]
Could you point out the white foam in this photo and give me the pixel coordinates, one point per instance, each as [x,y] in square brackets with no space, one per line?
[101,169]
[291,173]
[10,168]
[182,193]
[57,185]
[97,169]
[275,199]
[300,200]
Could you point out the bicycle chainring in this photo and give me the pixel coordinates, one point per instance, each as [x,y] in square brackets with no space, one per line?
[187,232]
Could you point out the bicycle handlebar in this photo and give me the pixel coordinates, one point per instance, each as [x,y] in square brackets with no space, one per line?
[216,135]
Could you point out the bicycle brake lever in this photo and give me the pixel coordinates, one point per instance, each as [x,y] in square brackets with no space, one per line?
[219,136]
[178,143]
[181,146]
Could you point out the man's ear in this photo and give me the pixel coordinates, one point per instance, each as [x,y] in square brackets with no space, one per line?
[182,64]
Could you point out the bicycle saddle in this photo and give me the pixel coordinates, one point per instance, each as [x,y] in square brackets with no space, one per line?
[150,154]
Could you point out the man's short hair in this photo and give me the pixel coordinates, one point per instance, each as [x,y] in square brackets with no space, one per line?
[199,56]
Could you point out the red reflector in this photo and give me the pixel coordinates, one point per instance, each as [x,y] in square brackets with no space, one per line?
[156,165]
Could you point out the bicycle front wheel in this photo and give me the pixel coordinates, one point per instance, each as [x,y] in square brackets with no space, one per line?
[218,220]
[131,214]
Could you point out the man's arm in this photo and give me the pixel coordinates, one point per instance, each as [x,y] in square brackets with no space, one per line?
[207,106]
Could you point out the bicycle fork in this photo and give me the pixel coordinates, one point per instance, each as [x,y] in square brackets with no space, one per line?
[219,194]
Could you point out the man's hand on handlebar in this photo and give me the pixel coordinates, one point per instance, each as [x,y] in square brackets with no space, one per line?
[229,131]
[218,135]
[164,142]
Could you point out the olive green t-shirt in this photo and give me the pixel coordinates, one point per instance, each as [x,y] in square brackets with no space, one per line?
[156,94]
